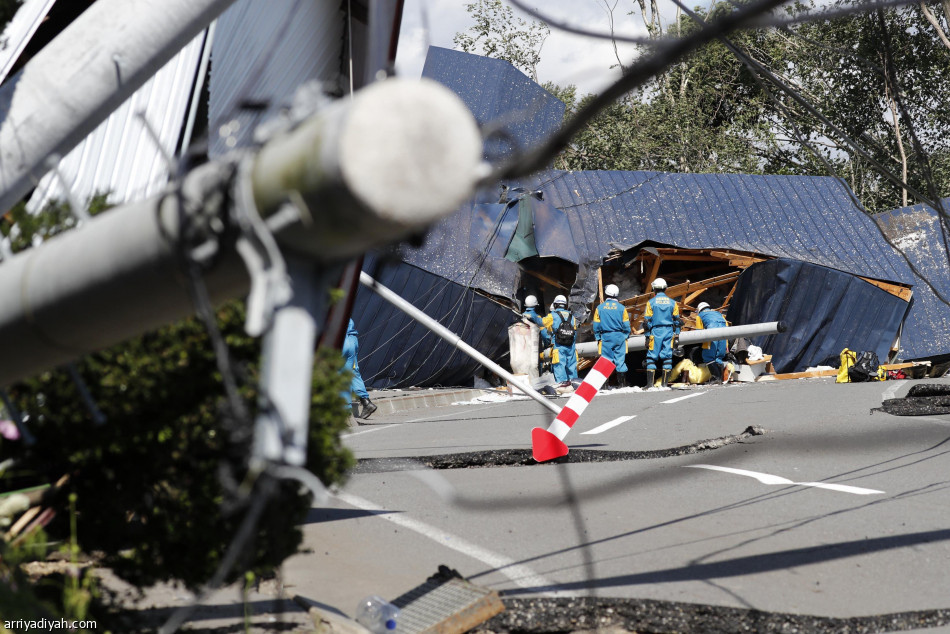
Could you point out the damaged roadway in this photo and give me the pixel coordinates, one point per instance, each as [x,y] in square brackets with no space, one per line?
[781,506]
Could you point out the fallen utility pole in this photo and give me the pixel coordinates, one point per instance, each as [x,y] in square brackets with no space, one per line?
[319,187]
[449,336]
[639,342]
[70,86]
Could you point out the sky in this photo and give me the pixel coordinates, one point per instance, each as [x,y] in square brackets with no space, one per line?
[565,58]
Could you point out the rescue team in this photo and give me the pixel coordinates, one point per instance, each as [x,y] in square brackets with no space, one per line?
[611,327]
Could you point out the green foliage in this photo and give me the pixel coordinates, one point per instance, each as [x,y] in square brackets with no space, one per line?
[711,113]
[149,481]
[23,227]
[499,34]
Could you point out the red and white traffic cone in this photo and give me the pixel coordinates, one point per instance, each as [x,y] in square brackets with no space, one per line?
[546,444]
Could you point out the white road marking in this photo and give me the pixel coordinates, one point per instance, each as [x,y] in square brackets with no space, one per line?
[609,425]
[891,391]
[372,429]
[767,478]
[683,398]
[519,574]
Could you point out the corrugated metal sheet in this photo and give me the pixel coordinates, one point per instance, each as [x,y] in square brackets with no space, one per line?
[264,50]
[16,35]
[119,157]
[916,232]
[826,310]
[807,218]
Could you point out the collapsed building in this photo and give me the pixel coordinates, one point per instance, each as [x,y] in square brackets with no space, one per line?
[798,249]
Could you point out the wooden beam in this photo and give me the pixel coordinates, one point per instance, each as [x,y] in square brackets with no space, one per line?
[894,289]
[684,288]
[545,278]
[689,298]
[600,283]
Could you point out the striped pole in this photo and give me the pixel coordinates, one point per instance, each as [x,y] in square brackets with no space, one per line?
[547,444]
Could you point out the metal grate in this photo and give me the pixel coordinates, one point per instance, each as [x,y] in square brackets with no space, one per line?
[444,605]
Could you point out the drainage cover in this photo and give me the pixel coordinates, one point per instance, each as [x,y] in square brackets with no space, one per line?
[445,604]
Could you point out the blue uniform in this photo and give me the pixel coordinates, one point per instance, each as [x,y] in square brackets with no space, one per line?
[351,347]
[531,314]
[661,320]
[714,352]
[611,330]
[563,358]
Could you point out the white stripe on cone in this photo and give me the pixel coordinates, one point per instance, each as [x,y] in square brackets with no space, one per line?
[547,444]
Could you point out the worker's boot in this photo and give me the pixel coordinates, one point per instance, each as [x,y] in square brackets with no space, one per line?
[651,378]
[666,377]
[368,407]
[621,379]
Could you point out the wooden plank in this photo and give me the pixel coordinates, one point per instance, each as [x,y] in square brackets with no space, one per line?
[550,280]
[689,298]
[684,288]
[653,271]
[894,289]
[740,260]
[600,283]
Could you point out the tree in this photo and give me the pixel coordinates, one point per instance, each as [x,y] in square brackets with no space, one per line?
[499,34]
[788,102]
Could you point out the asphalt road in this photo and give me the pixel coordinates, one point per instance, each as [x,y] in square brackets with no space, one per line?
[832,511]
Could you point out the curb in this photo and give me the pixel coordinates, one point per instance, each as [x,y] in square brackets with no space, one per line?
[433,398]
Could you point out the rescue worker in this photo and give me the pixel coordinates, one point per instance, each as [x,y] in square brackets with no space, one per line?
[562,328]
[611,330]
[714,352]
[531,314]
[351,347]
[662,323]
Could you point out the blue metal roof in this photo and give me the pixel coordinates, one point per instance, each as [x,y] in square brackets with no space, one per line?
[515,110]
[808,218]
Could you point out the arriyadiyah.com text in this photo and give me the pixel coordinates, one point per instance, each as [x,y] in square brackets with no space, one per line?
[48,625]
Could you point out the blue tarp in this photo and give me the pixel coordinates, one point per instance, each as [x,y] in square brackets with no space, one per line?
[396,351]
[825,310]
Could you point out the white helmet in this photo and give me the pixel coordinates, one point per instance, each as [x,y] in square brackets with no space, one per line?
[702,306]
[611,290]
[530,301]
[560,301]
[659,284]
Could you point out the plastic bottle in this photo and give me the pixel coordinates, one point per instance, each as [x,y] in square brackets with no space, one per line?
[377,615]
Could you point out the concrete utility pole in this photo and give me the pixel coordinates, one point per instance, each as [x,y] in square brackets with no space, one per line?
[357,174]
[85,73]
[639,342]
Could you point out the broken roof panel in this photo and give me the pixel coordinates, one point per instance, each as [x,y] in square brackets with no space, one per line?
[916,231]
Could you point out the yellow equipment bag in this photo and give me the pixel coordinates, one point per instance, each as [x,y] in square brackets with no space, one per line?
[848,357]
